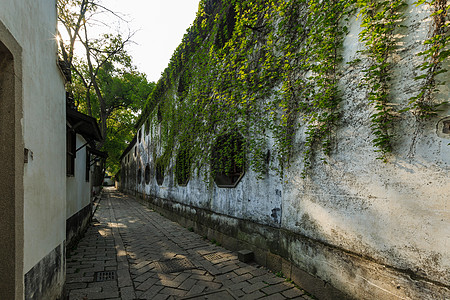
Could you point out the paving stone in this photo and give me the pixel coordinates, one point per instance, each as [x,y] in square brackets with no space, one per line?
[77,295]
[226,283]
[199,272]
[241,278]
[77,285]
[274,288]
[170,283]
[79,279]
[123,278]
[143,270]
[187,284]
[254,295]
[104,285]
[89,290]
[127,293]
[227,276]
[274,280]
[257,272]
[141,264]
[147,284]
[229,268]
[195,290]
[293,293]
[209,285]
[150,293]
[202,277]
[264,278]
[247,269]
[102,295]
[238,286]
[160,297]
[173,292]
[238,293]
[276,296]
[254,287]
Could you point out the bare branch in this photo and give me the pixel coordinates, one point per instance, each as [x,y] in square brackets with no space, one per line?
[118,15]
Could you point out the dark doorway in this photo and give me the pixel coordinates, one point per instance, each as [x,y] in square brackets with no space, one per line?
[11,174]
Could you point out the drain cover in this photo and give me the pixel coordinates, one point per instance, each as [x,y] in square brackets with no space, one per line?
[105,276]
[174,265]
[213,256]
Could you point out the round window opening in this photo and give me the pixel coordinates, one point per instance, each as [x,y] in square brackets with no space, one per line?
[147,174]
[183,167]
[228,160]
[159,172]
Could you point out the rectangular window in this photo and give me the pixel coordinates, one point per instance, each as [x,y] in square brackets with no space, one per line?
[71,152]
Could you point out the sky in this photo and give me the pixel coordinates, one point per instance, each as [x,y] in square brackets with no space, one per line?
[160,26]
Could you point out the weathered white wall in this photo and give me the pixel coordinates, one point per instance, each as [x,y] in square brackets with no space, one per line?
[77,188]
[33,24]
[379,230]
[395,213]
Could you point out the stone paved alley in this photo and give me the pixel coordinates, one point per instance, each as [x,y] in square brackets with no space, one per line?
[131,252]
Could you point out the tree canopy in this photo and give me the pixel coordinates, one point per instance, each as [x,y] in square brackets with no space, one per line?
[105,83]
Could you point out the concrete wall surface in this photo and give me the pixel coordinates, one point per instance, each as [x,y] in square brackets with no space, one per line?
[78,196]
[78,189]
[33,24]
[372,229]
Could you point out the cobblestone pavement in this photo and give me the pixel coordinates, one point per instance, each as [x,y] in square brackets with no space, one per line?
[131,252]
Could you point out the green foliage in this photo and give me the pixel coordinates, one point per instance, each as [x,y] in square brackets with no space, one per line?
[263,69]
[279,274]
[423,105]
[105,83]
[124,92]
[228,156]
[326,21]
[247,76]
[183,166]
[380,19]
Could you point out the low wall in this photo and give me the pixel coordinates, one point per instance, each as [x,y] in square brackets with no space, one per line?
[77,224]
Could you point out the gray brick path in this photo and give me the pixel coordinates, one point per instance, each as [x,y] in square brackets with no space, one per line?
[150,257]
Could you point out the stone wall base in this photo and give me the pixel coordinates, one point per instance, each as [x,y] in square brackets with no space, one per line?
[46,279]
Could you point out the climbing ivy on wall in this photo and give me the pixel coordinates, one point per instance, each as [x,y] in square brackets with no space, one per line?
[380,19]
[265,68]
[326,21]
[423,105]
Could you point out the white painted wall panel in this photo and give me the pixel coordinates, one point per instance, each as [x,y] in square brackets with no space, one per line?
[33,24]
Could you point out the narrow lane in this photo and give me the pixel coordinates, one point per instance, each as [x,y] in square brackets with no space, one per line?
[132,252]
